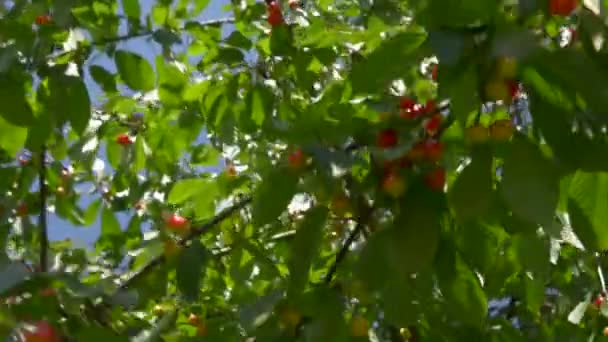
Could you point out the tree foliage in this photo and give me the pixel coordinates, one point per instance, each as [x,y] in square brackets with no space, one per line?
[422,170]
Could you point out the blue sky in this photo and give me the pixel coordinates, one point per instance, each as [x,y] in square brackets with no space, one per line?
[86,236]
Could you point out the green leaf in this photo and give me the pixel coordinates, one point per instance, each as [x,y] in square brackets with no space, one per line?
[260,104]
[375,72]
[273,195]
[530,184]
[104,78]
[255,314]
[577,314]
[12,274]
[135,71]
[12,138]
[588,208]
[139,155]
[472,194]
[305,247]
[190,270]
[201,191]
[78,109]
[465,299]
[109,223]
[15,109]
[131,9]
[205,155]
[91,212]
[99,334]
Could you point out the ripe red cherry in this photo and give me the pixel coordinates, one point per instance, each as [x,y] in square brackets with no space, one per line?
[296,160]
[394,185]
[177,222]
[48,292]
[433,150]
[430,107]
[435,179]
[40,331]
[407,103]
[434,72]
[193,319]
[275,19]
[43,19]
[124,139]
[433,124]
[513,88]
[387,138]
[562,7]
[598,301]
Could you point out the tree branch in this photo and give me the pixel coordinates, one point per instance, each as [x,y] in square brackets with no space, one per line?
[194,233]
[362,220]
[42,219]
[129,36]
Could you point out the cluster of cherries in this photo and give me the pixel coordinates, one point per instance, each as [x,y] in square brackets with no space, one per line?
[429,150]
[562,7]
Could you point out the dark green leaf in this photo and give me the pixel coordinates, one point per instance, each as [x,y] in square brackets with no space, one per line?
[588,208]
[15,109]
[472,192]
[273,195]
[109,223]
[191,270]
[103,77]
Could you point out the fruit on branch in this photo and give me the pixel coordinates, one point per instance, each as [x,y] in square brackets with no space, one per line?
[124,139]
[432,125]
[393,184]
[275,17]
[158,310]
[433,150]
[294,4]
[48,292]
[387,138]
[497,90]
[430,107]
[231,171]
[599,300]
[177,223]
[435,179]
[43,19]
[513,88]
[193,319]
[476,134]
[40,331]
[340,205]
[407,103]
[201,329]
[23,160]
[506,68]
[417,153]
[359,326]
[296,160]
[501,130]
[562,7]
[22,210]
[289,317]
[434,72]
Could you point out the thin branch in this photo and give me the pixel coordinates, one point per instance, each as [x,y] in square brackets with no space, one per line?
[285,236]
[129,36]
[354,234]
[194,233]
[42,220]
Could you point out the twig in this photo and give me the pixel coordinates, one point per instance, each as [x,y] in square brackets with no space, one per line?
[288,235]
[42,222]
[148,33]
[194,233]
[361,222]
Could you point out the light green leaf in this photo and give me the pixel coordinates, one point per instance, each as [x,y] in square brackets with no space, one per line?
[530,184]
[139,155]
[135,71]
[109,223]
[91,212]
[103,77]
[131,9]
[12,138]
[273,195]
[190,270]
[305,247]
[588,208]
[185,189]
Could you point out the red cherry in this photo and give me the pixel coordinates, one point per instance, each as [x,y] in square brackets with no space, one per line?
[387,138]
[23,161]
[394,185]
[598,301]
[433,150]
[433,124]
[407,103]
[513,88]
[231,171]
[562,7]
[48,292]
[177,221]
[124,139]
[193,319]
[434,72]
[296,160]
[275,19]
[41,331]
[435,179]
[43,19]
[412,113]
[430,107]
